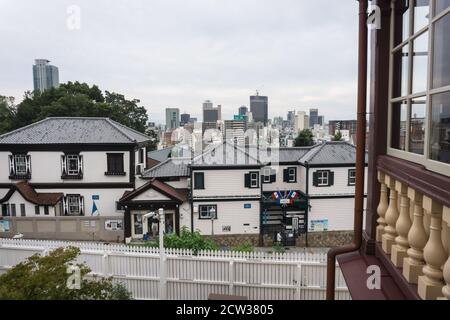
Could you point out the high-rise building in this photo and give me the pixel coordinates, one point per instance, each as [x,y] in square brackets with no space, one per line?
[45,76]
[235,131]
[210,113]
[291,117]
[185,118]
[301,121]
[259,107]
[243,110]
[313,117]
[172,118]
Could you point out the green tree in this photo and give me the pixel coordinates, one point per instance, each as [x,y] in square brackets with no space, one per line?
[7,113]
[337,136]
[46,277]
[74,99]
[304,138]
[153,145]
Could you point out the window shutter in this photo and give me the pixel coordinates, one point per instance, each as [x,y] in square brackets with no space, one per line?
[80,164]
[247,180]
[330,178]
[65,205]
[285,175]
[11,165]
[63,165]
[81,199]
[273,176]
[28,163]
[315,179]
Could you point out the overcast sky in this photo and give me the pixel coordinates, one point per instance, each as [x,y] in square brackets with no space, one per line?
[178,53]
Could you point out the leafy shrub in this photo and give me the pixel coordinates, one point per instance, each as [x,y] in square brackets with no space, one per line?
[245,247]
[278,247]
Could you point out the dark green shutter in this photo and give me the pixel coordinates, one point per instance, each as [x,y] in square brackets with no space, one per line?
[330,178]
[273,177]
[315,179]
[285,175]
[247,180]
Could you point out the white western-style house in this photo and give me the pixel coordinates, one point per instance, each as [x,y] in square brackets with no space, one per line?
[89,178]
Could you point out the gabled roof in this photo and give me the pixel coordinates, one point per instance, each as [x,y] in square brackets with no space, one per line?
[74,130]
[178,195]
[173,167]
[29,194]
[161,154]
[331,152]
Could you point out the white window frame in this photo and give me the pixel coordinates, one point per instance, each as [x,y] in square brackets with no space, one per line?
[74,201]
[433,165]
[254,179]
[352,175]
[75,157]
[292,176]
[18,157]
[208,207]
[267,172]
[323,178]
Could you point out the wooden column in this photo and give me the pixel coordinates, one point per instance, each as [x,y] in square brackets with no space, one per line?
[390,233]
[402,227]
[417,238]
[382,207]
[431,283]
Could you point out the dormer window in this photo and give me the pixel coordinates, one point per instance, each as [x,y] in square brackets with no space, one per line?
[72,166]
[19,166]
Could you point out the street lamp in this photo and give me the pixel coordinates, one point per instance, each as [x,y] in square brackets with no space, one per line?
[212,214]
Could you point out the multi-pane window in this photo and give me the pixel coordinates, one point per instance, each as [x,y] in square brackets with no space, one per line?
[19,166]
[254,179]
[420,83]
[115,164]
[72,166]
[351,177]
[292,174]
[267,175]
[73,204]
[322,178]
[207,211]
[20,162]
[199,180]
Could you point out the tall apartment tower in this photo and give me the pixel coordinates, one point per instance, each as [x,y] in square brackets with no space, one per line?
[172,118]
[259,108]
[45,76]
[210,113]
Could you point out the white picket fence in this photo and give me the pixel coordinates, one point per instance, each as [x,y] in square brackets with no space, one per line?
[256,275]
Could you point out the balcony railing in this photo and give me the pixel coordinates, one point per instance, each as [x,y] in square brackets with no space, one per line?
[413,230]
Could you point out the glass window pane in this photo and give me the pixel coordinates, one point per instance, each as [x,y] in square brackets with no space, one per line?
[401,21]
[441,5]
[401,72]
[440,127]
[421,14]
[398,135]
[441,54]
[417,125]
[420,63]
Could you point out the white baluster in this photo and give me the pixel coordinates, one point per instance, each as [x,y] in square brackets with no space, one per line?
[417,238]
[382,207]
[388,238]
[431,283]
[446,271]
[402,227]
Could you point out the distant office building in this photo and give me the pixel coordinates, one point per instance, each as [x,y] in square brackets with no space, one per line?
[259,107]
[45,76]
[192,120]
[291,117]
[243,110]
[172,118]
[313,117]
[335,125]
[301,121]
[234,131]
[278,121]
[210,113]
[185,118]
[321,120]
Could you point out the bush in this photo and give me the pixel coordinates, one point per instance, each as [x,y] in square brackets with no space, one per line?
[278,247]
[46,278]
[245,247]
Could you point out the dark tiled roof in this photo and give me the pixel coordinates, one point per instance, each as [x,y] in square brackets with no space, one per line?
[225,154]
[179,195]
[160,155]
[331,152]
[173,167]
[29,194]
[68,130]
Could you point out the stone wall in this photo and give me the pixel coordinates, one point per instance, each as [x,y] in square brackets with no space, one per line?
[316,239]
[234,240]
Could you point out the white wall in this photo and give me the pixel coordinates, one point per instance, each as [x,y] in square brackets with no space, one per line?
[340,186]
[230,213]
[280,185]
[339,212]
[17,199]
[226,183]
[106,204]
[46,167]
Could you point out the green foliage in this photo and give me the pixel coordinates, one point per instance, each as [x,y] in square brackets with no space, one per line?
[7,113]
[153,145]
[304,138]
[278,247]
[45,278]
[245,247]
[337,136]
[74,99]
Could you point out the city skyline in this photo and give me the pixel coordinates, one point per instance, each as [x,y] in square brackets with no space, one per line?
[183,53]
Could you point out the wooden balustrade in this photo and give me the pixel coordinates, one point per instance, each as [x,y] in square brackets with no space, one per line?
[417,237]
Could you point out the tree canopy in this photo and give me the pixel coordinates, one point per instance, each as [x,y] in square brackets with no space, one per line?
[304,138]
[337,136]
[46,278]
[72,99]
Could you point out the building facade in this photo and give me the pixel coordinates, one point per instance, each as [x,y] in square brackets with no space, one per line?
[45,76]
[172,118]
[259,107]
